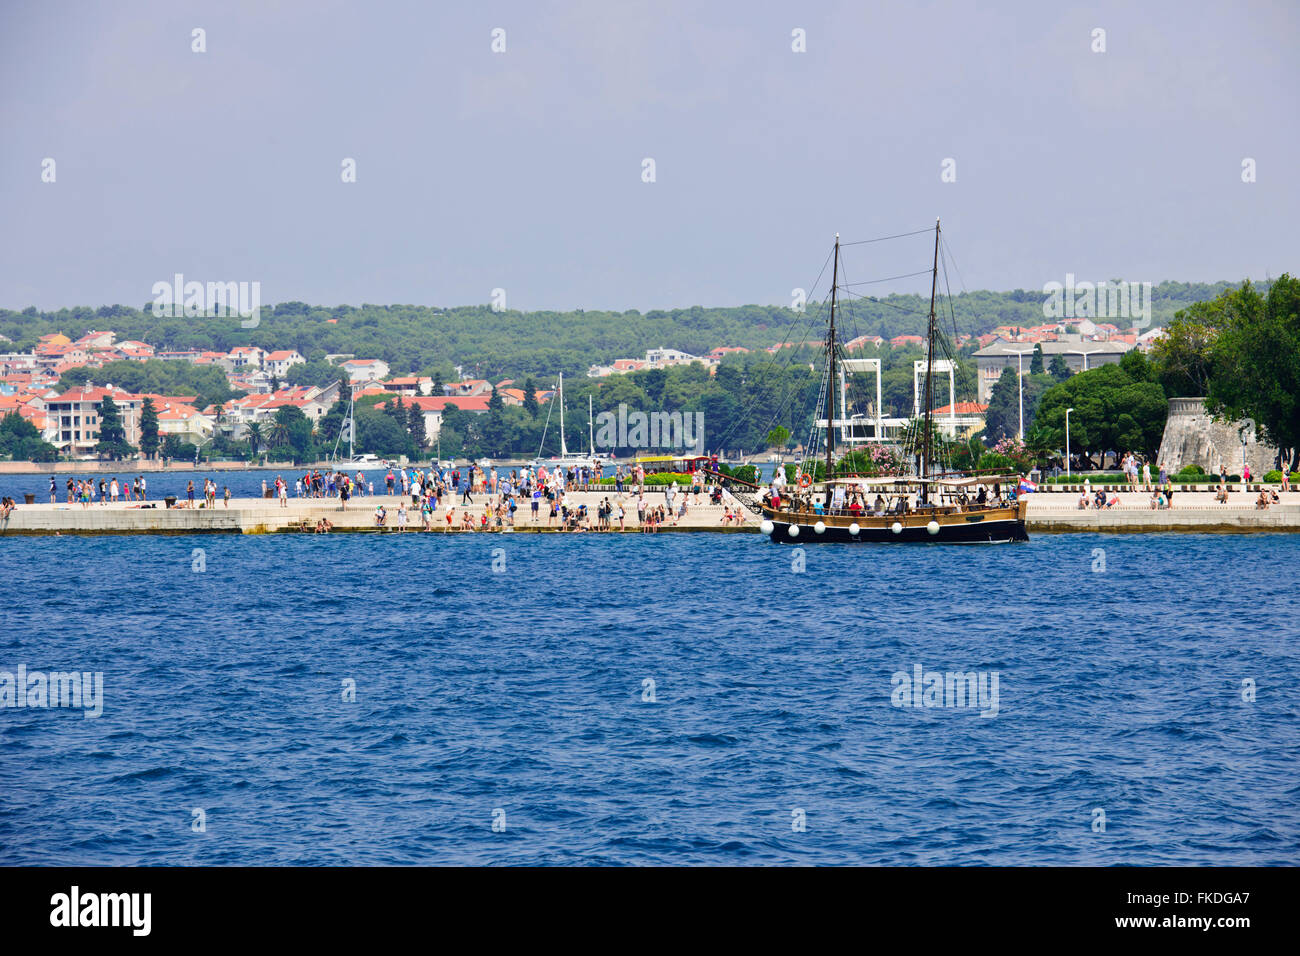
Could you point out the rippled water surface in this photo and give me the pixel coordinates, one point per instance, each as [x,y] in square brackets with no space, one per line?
[523,692]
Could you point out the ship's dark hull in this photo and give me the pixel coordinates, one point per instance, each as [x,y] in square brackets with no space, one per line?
[992,526]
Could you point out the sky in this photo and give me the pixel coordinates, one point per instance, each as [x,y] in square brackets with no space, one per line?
[524,170]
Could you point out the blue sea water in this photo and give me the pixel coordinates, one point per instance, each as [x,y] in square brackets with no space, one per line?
[522,691]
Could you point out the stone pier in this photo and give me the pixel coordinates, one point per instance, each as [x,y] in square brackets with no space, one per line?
[1193,512]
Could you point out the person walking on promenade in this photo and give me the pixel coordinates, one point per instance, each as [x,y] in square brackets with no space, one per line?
[226,495]
[1245,477]
[189,492]
[1146,476]
[54,490]
[1286,480]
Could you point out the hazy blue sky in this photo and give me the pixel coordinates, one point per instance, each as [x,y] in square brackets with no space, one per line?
[523,170]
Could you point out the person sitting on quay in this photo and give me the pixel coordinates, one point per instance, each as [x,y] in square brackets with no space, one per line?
[381,516]
[1261,503]
[1083,501]
[1222,496]
[7,507]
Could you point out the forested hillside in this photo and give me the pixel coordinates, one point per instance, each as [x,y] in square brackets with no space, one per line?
[423,339]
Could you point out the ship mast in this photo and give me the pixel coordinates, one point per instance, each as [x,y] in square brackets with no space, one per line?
[929,368]
[830,370]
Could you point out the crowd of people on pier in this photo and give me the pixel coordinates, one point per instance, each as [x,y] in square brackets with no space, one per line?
[430,497]
[414,497]
[86,491]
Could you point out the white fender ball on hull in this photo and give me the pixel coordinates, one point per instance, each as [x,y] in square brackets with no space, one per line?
[932,527]
[820,527]
[793,530]
[766,527]
[854,529]
[896,528]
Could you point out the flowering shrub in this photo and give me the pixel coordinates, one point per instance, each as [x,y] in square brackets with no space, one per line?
[1008,451]
[885,461]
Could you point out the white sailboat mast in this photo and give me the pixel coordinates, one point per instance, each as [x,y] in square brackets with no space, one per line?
[564,452]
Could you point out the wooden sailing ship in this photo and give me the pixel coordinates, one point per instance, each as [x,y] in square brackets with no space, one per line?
[934,505]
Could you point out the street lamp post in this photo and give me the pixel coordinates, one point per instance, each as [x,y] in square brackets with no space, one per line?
[1020,381]
[1245,437]
[1067,441]
[1084,356]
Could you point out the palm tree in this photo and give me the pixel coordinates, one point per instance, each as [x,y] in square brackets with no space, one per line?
[279,435]
[1038,443]
[254,437]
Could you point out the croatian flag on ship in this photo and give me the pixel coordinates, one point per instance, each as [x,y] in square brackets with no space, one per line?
[1026,486]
